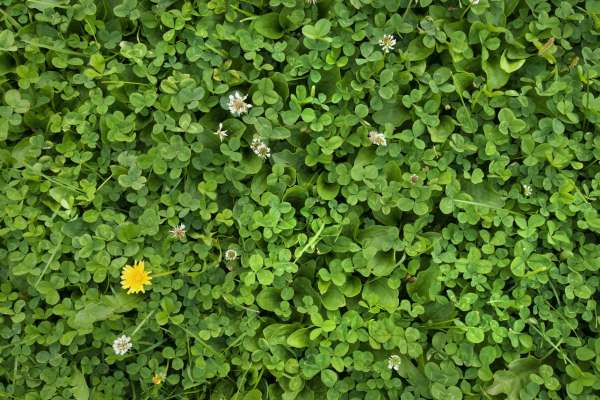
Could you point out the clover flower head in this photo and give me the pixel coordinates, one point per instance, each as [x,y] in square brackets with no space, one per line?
[237,105]
[260,148]
[221,133]
[230,254]
[313,2]
[474,2]
[178,232]
[377,138]
[527,190]
[387,43]
[122,345]
[394,362]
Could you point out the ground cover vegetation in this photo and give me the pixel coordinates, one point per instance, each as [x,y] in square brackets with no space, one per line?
[290,199]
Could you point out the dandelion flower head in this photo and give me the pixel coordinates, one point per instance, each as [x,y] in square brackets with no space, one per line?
[157,379]
[133,278]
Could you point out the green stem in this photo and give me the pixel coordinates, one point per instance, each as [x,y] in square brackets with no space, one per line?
[166,273]
[53,48]
[475,203]
[10,19]
[202,342]
[137,328]
[246,13]
[311,242]
[127,82]
[48,263]
[219,52]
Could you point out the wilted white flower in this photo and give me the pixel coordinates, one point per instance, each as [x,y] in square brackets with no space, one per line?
[260,148]
[394,362]
[313,2]
[122,345]
[527,190]
[237,105]
[387,43]
[377,138]
[230,254]
[178,232]
[221,133]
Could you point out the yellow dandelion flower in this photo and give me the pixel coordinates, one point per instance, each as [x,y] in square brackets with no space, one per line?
[157,379]
[134,278]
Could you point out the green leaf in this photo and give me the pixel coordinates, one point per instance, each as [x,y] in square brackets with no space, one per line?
[7,41]
[268,26]
[333,299]
[379,237]
[327,191]
[475,334]
[510,67]
[44,5]
[269,299]
[80,390]
[496,76]
[299,338]
[253,394]
[512,380]
[328,377]
[379,294]
[124,9]
[317,31]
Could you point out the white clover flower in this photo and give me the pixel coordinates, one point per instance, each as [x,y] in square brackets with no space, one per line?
[313,2]
[394,362]
[377,138]
[474,2]
[221,133]
[387,43]
[230,254]
[527,190]
[178,232]
[122,43]
[122,345]
[237,106]
[260,148]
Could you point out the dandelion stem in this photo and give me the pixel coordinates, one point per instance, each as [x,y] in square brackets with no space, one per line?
[166,273]
[137,328]
[310,243]
[53,48]
[202,342]
[48,263]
